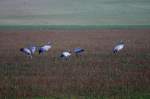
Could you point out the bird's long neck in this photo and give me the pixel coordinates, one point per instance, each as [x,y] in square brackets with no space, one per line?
[49,43]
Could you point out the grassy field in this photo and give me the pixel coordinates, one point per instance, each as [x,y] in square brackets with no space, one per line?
[69,12]
[97,74]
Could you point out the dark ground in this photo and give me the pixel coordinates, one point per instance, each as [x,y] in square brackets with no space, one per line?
[97,72]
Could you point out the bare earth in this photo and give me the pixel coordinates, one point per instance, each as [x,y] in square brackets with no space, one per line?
[98,71]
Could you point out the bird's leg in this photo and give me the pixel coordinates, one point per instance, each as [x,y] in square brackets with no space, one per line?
[30,56]
[76,55]
[66,58]
[115,51]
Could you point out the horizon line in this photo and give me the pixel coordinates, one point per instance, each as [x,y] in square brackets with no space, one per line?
[47,26]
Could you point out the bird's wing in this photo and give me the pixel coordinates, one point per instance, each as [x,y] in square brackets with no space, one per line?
[46,47]
[33,49]
[27,51]
[66,53]
[119,47]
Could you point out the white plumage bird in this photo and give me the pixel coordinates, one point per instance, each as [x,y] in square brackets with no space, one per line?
[29,51]
[118,47]
[65,55]
[45,48]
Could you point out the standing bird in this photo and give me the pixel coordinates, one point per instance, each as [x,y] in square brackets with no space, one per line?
[45,48]
[65,55]
[78,51]
[29,51]
[118,47]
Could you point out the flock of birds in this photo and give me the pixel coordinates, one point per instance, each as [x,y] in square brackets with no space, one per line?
[29,51]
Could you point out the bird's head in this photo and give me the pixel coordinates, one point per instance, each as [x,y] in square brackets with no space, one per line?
[121,42]
[49,43]
[21,49]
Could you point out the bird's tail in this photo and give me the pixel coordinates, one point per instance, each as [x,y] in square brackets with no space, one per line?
[61,55]
[114,51]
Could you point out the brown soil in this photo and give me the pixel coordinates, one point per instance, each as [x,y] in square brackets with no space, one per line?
[97,71]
